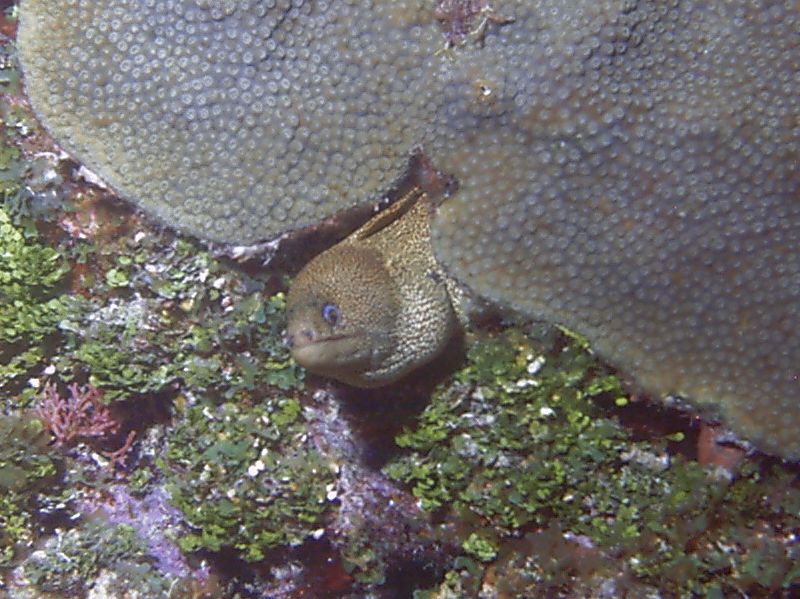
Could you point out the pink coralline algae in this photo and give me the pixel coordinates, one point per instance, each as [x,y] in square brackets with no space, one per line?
[82,414]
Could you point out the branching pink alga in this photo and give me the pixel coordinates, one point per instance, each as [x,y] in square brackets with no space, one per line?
[82,414]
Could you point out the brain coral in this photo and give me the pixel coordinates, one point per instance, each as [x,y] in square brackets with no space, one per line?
[628,168]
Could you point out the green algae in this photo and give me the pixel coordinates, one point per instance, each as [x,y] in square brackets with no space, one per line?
[180,320]
[26,471]
[246,477]
[480,547]
[11,167]
[183,324]
[362,557]
[71,561]
[154,349]
[33,274]
[519,443]
[140,481]
[498,420]
[30,304]
[72,558]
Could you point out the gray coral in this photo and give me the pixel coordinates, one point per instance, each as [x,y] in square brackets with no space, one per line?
[643,187]
[234,121]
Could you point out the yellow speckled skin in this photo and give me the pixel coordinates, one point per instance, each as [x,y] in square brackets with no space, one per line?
[393,308]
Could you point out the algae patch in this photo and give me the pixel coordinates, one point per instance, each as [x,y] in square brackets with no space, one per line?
[246,477]
[31,305]
[549,492]
[73,560]
[27,470]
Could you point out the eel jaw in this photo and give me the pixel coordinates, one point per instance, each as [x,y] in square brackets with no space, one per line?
[329,354]
[350,358]
[323,353]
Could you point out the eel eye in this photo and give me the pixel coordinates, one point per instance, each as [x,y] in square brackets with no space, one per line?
[331,314]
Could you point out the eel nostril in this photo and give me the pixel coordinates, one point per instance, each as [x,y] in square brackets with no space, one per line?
[288,340]
[303,336]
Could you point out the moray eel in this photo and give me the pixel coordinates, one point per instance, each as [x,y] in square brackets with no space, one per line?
[627,168]
[375,306]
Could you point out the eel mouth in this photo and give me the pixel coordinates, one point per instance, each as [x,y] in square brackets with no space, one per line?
[327,355]
[307,338]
